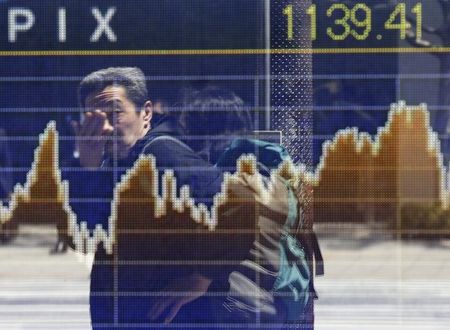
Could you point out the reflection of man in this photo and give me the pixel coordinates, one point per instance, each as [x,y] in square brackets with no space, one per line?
[115,130]
[115,110]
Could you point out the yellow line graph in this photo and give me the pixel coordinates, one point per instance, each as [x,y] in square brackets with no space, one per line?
[379,180]
[137,207]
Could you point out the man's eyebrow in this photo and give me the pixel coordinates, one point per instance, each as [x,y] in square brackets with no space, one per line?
[114,100]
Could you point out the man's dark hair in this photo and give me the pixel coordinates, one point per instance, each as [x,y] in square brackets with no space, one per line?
[215,111]
[132,79]
[212,118]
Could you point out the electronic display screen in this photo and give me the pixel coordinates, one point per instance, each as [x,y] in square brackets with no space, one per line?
[200,162]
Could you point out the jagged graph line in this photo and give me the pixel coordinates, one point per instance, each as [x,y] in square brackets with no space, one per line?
[44,184]
[407,131]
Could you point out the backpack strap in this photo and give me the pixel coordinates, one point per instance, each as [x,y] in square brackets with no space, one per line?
[311,243]
[317,254]
[309,239]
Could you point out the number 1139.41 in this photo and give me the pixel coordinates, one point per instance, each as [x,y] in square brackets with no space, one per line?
[356,21]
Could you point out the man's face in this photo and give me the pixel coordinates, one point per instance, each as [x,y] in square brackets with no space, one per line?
[129,124]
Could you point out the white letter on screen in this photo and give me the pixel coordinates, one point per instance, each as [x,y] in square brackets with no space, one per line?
[62,24]
[103,24]
[14,26]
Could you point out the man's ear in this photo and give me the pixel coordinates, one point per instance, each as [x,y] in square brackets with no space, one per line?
[148,111]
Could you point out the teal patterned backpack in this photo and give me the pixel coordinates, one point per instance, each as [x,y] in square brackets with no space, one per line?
[274,285]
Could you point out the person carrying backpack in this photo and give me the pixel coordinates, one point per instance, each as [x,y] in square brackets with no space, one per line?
[265,274]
